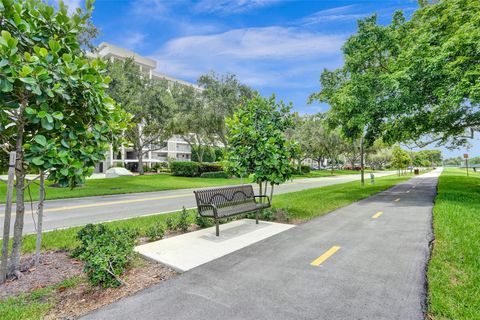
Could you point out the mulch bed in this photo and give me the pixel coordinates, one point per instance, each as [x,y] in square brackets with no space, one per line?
[75,302]
[54,267]
[71,303]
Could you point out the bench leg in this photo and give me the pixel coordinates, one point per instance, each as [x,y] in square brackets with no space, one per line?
[217,227]
[256,216]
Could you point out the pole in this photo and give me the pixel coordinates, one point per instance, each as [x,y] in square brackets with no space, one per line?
[8,217]
[41,200]
[466,165]
[362,162]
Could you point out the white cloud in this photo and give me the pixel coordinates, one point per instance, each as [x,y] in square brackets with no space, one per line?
[231,6]
[270,56]
[257,43]
[150,8]
[342,13]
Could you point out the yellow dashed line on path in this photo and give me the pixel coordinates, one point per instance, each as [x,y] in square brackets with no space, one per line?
[396,200]
[378,214]
[324,256]
[408,191]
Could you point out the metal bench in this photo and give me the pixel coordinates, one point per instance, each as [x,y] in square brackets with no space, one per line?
[225,202]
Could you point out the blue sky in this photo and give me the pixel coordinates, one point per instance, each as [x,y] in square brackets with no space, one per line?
[274,46]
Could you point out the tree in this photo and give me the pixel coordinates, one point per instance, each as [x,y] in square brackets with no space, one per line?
[56,113]
[353,91]
[421,75]
[437,92]
[379,159]
[194,121]
[257,143]
[334,146]
[148,100]
[223,94]
[400,159]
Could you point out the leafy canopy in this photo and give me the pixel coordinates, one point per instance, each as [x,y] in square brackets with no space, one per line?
[413,80]
[53,99]
[257,143]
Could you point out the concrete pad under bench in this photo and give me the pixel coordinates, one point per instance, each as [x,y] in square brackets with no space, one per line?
[192,249]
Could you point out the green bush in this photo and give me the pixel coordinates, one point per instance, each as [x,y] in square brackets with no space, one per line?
[106,253]
[305,169]
[219,174]
[203,222]
[170,223]
[182,223]
[155,232]
[185,168]
[210,167]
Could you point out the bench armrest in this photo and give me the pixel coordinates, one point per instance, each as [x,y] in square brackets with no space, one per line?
[263,196]
[214,208]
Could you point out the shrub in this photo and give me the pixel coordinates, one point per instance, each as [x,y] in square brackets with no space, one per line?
[305,169]
[155,232]
[185,168]
[106,253]
[219,174]
[203,222]
[210,167]
[170,223]
[182,222]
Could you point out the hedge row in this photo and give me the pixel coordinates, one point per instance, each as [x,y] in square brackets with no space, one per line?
[218,174]
[193,169]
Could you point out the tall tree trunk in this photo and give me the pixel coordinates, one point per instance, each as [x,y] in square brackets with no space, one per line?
[362,162]
[41,200]
[8,216]
[140,161]
[20,205]
[271,192]
[260,189]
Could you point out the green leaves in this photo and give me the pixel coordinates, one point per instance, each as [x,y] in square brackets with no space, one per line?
[41,140]
[54,46]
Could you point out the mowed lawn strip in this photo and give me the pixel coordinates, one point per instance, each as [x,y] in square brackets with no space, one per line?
[303,205]
[146,183]
[454,269]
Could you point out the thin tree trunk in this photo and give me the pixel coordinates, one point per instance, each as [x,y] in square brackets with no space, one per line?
[41,201]
[20,197]
[260,190]
[265,191]
[271,192]
[140,161]
[8,216]
[362,160]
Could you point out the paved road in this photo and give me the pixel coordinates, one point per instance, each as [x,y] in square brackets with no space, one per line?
[377,272]
[80,211]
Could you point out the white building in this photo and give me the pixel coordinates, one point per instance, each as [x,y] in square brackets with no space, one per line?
[176,148]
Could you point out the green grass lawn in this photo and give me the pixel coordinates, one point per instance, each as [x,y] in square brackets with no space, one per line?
[454,269]
[33,305]
[146,183]
[328,173]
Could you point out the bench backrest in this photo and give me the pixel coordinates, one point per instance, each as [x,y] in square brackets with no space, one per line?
[225,196]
